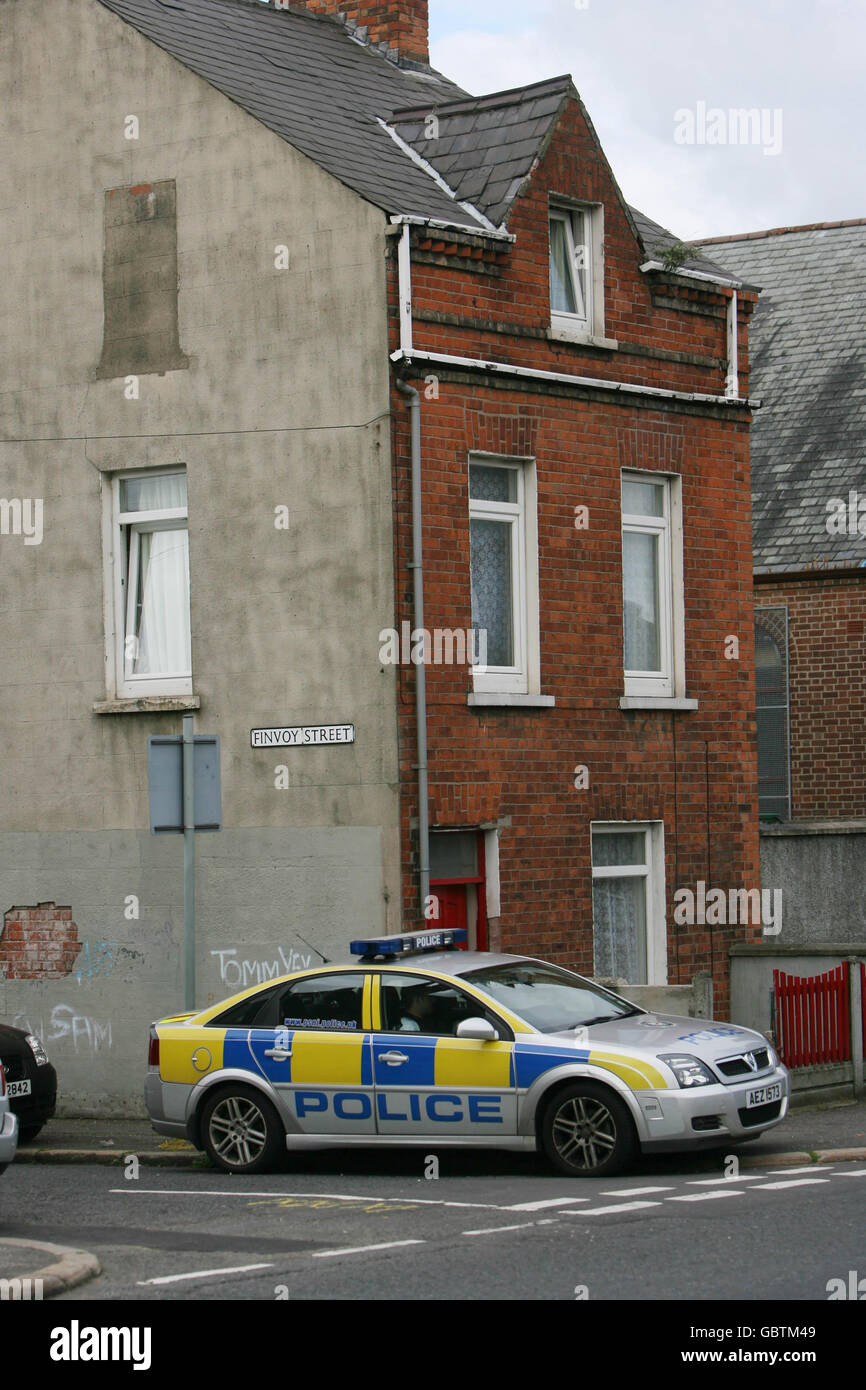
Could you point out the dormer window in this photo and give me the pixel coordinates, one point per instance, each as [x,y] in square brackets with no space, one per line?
[570,262]
[576,272]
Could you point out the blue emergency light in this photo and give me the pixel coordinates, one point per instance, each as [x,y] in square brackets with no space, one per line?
[410,943]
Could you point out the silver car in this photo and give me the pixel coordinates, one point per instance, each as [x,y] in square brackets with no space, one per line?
[448,1047]
[8,1126]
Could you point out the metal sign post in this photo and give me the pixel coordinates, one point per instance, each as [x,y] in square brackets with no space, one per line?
[184,784]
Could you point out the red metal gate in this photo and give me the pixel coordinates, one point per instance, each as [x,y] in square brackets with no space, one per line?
[812,1017]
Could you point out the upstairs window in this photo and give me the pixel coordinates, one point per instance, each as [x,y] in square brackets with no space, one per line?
[504,574]
[570,264]
[652,584]
[577,272]
[151,550]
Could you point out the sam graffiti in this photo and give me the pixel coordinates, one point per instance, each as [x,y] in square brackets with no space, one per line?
[84,1035]
[238,974]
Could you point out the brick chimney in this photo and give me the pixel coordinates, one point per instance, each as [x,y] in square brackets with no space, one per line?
[401,24]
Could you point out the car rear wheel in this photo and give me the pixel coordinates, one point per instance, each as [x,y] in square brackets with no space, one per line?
[587,1132]
[241,1131]
[28,1132]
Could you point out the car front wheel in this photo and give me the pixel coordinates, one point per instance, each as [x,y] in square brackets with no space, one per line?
[587,1132]
[241,1131]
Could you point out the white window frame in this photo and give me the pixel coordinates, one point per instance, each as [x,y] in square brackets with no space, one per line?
[591,323]
[523,677]
[126,685]
[669,680]
[652,870]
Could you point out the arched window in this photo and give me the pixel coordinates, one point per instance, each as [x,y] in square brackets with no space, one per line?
[771,682]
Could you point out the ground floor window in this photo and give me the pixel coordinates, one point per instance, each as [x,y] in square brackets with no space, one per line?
[628,902]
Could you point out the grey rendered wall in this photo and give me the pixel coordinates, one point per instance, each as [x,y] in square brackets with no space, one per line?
[819,869]
[284,403]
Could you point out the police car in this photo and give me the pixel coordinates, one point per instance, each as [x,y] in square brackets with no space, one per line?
[417,1042]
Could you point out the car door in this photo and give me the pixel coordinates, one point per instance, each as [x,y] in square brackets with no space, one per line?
[427,1080]
[317,1054]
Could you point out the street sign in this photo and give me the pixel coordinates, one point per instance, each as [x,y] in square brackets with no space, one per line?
[165,782]
[302,736]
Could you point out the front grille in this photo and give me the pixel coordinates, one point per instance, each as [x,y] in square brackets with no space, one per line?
[14,1068]
[702,1122]
[738,1066]
[760,1114]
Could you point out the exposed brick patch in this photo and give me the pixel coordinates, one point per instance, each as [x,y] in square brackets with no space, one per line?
[38,943]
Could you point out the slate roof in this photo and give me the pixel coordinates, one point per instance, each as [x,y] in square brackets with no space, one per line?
[305,78]
[657,240]
[808,352]
[486,147]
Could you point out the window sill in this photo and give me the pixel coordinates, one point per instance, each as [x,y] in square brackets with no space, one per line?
[479,699]
[656,702]
[564,335]
[147,704]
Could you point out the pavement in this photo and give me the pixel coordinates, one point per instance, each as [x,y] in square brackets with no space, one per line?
[828,1133]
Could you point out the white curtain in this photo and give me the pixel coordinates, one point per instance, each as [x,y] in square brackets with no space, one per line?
[640,601]
[163,583]
[619,928]
[561,282]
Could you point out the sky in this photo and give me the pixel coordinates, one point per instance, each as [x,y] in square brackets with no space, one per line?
[660,80]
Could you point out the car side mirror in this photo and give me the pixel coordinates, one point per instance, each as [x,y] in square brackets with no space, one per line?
[478,1028]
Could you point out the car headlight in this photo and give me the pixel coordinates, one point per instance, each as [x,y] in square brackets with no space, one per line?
[689,1071]
[35,1045]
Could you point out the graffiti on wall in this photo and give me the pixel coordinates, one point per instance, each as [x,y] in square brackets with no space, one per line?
[239,973]
[85,1035]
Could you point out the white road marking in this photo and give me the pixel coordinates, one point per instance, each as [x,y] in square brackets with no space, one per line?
[713,1182]
[496,1230]
[363,1249]
[852,1173]
[613,1211]
[548,1202]
[807,1168]
[201,1274]
[705,1196]
[633,1191]
[310,1196]
[795,1182]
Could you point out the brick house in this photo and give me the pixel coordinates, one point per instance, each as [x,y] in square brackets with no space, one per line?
[304,293]
[809,496]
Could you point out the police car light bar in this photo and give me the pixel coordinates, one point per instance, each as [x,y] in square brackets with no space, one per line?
[410,943]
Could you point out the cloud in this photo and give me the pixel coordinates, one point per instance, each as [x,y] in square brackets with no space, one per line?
[637,65]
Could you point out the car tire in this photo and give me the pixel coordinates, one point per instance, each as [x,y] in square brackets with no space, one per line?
[31,1131]
[587,1132]
[241,1131]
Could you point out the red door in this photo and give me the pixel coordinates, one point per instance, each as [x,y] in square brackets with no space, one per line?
[452,904]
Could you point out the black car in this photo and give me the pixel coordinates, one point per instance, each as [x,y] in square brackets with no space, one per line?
[31,1081]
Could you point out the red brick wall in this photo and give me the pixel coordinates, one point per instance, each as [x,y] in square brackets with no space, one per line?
[38,943]
[688,320]
[827,674]
[694,771]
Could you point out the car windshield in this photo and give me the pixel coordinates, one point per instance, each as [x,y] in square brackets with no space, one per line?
[548,997]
